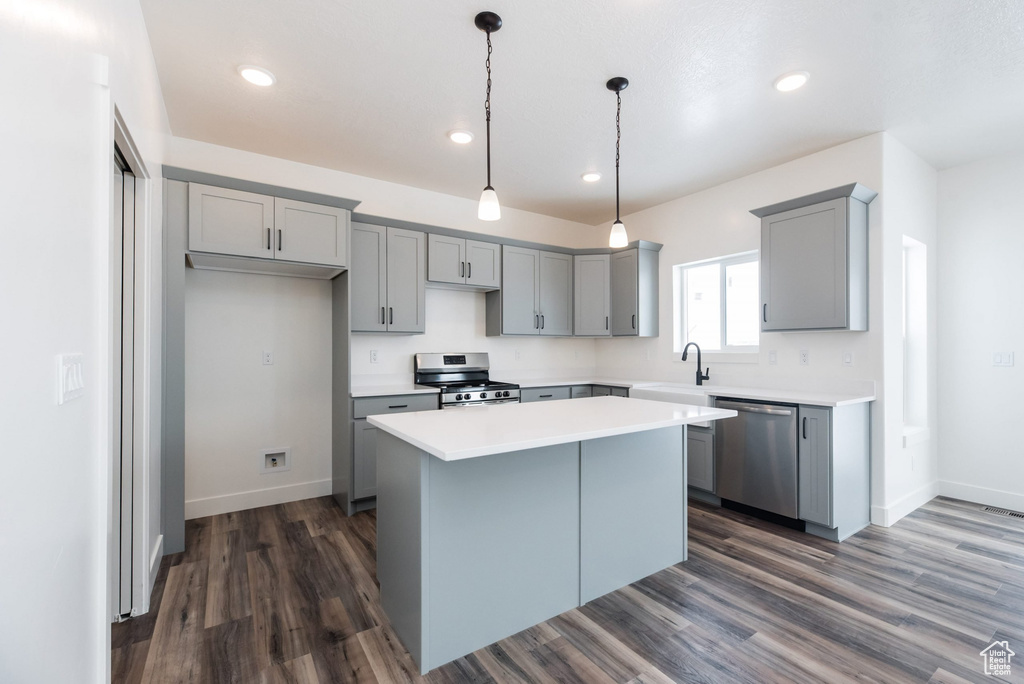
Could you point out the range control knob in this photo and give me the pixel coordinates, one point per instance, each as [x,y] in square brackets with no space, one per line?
[458,397]
[483,395]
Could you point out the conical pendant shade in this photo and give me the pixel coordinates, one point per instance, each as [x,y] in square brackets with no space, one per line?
[618,238]
[489,209]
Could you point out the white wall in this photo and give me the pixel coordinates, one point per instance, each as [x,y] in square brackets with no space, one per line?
[235,406]
[982,299]
[910,205]
[68,64]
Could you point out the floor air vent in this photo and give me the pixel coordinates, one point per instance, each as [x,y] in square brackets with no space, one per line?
[1003,511]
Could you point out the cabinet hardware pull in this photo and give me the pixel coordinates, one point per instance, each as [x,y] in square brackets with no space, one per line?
[605,322]
[399,406]
[391,315]
[462,269]
[268,238]
[805,427]
[542,321]
[278,239]
[764,313]
[546,396]
[382,319]
[536,321]
[469,265]
[634,321]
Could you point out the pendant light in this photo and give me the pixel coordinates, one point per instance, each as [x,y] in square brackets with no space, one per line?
[489,210]
[617,238]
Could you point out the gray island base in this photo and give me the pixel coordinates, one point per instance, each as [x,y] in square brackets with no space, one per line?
[475,549]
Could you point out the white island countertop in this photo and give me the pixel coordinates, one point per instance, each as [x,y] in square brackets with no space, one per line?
[472,431]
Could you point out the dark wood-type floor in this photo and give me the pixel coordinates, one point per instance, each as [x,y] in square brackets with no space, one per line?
[287,594]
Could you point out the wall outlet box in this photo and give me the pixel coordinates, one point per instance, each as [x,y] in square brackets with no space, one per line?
[268,358]
[70,381]
[805,357]
[276,460]
[373,356]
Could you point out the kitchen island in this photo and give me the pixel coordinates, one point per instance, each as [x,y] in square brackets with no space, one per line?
[491,519]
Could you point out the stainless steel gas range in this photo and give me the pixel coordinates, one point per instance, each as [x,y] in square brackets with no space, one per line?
[463,380]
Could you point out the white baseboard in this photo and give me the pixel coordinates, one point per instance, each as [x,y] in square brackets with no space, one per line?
[982,495]
[886,516]
[215,505]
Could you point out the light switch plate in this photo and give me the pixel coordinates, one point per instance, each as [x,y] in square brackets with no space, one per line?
[70,379]
[847,358]
[1003,359]
[773,357]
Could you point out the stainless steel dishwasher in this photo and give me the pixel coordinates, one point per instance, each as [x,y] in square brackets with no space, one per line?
[756,456]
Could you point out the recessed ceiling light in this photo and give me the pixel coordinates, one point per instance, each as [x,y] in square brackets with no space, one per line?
[791,81]
[591,177]
[460,137]
[256,75]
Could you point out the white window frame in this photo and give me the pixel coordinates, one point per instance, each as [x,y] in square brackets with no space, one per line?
[735,352]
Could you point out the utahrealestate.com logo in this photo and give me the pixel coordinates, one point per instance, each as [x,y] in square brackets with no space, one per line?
[997,658]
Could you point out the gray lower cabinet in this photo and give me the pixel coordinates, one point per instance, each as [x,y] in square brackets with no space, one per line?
[592,295]
[544,394]
[356,484]
[700,458]
[458,261]
[608,391]
[634,292]
[535,296]
[580,391]
[249,224]
[388,279]
[814,261]
[834,469]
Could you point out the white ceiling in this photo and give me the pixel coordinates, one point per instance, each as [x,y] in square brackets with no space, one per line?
[371,87]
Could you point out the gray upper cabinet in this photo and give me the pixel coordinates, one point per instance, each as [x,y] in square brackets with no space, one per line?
[536,294]
[225,221]
[310,233]
[248,224]
[458,261]
[814,261]
[555,294]
[388,279]
[483,264]
[592,295]
[634,288]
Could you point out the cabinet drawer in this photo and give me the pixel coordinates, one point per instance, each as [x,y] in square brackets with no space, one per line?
[544,394]
[401,403]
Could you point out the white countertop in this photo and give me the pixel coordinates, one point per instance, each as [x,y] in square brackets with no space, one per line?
[472,431]
[789,396]
[391,390]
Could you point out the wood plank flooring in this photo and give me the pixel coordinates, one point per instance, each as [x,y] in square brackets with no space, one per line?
[288,594]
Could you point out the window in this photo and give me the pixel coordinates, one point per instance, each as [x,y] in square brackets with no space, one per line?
[716,303]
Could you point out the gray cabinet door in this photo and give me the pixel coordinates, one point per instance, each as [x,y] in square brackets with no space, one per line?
[602,391]
[520,285]
[406,280]
[310,233]
[225,221]
[483,264]
[592,295]
[544,394]
[446,259]
[368,278]
[580,391]
[700,459]
[364,460]
[804,268]
[624,283]
[815,467]
[555,294]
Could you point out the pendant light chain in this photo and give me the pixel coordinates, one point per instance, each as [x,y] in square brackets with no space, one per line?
[618,137]
[487,107]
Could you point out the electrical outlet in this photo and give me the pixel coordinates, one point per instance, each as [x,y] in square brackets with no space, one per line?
[805,357]
[517,355]
[647,355]
[847,358]
[373,356]
[773,357]
[268,358]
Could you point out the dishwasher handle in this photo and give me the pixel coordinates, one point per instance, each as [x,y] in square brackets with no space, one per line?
[755,408]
